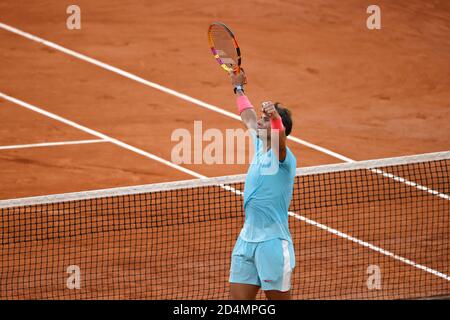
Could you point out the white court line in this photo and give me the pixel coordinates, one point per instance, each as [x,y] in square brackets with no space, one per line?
[158,86]
[99,135]
[231,189]
[411,184]
[370,246]
[51,144]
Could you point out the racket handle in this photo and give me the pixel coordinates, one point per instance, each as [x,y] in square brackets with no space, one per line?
[241,70]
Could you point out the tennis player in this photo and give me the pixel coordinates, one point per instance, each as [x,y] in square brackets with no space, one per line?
[263,256]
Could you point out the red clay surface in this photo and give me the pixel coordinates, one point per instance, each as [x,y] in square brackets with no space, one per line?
[364,94]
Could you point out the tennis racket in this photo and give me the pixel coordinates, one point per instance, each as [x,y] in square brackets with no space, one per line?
[224,47]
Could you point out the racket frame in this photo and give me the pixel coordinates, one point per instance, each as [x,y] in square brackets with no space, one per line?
[235,44]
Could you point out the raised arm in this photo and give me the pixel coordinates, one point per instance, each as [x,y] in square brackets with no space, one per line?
[276,125]
[245,108]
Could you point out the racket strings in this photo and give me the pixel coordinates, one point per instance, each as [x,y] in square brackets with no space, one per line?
[224,46]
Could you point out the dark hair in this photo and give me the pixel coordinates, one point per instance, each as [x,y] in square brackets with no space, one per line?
[286,117]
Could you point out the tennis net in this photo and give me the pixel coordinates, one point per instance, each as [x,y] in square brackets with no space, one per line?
[374,229]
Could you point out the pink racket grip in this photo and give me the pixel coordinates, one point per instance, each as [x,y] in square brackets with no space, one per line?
[243,103]
[276,124]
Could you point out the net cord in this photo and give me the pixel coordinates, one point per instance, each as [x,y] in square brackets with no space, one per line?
[373,165]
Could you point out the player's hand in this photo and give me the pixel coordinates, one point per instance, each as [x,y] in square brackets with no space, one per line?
[268,108]
[238,79]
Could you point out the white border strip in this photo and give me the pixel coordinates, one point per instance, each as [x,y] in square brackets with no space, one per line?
[100,135]
[157,86]
[371,164]
[375,163]
[219,181]
[51,144]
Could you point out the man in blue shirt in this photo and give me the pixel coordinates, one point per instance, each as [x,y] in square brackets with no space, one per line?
[263,256]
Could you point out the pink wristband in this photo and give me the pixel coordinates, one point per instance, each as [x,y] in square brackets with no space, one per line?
[276,124]
[243,103]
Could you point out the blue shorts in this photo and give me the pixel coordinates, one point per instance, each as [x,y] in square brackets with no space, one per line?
[268,264]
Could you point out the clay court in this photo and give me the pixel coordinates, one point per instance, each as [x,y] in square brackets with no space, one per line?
[70,125]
